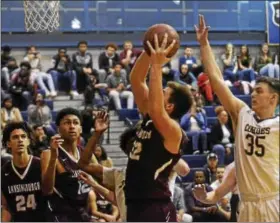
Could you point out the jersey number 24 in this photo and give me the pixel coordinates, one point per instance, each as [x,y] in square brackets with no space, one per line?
[24,202]
[254,145]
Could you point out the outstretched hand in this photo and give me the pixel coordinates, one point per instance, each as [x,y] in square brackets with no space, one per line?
[101,121]
[159,53]
[202,31]
[199,192]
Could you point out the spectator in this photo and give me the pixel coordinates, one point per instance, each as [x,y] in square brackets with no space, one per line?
[9,113]
[221,137]
[188,59]
[179,203]
[265,65]
[101,156]
[229,60]
[205,88]
[117,85]
[210,168]
[40,140]
[184,76]
[245,64]
[129,56]
[199,211]
[7,71]
[62,69]
[40,114]
[194,123]
[107,61]
[34,58]
[82,64]
[21,88]
[6,55]
[168,74]
[276,57]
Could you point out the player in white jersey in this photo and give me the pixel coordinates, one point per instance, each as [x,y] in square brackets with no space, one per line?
[256,138]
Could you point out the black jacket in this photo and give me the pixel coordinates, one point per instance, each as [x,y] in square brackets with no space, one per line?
[68,64]
[103,61]
[216,134]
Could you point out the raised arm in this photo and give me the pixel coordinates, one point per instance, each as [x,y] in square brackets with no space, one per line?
[95,169]
[138,82]
[231,103]
[182,168]
[164,124]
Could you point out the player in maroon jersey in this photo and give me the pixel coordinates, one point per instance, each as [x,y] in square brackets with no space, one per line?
[21,194]
[158,141]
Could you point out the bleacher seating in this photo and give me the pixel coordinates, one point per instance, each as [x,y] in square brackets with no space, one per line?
[195,160]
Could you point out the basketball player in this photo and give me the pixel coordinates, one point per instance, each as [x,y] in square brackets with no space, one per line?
[113,178]
[256,138]
[21,195]
[158,141]
[71,198]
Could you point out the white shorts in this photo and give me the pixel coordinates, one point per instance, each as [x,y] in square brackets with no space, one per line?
[263,210]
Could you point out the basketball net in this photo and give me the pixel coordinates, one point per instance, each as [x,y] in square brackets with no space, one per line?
[41,16]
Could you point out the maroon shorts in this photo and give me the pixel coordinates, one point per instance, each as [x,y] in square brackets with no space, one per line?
[153,211]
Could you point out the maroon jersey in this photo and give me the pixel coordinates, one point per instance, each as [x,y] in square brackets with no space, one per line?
[71,194]
[149,165]
[22,190]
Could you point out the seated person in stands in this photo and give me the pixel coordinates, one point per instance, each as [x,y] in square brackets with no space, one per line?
[40,140]
[194,123]
[107,61]
[199,211]
[245,66]
[21,87]
[188,59]
[62,70]
[7,71]
[129,56]
[265,65]
[117,88]
[83,66]
[34,58]
[168,74]
[221,137]
[229,60]
[179,203]
[210,168]
[9,113]
[102,157]
[40,114]
[184,76]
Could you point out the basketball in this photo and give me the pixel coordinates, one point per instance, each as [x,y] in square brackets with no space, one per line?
[160,30]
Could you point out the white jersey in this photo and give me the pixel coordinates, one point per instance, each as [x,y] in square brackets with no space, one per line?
[257,154]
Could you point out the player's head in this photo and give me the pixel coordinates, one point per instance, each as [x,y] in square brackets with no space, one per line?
[220,172]
[177,99]
[111,48]
[221,114]
[127,45]
[16,136]
[265,94]
[126,139]
[100,153]
[199,177]
[68,121]
[212,160]
[83,45]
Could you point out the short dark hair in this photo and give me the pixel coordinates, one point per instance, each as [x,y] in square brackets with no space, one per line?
[6,48]
[112,45]
[221,166]
[273,83]
[25,64]
[10,127]
[67,111]
[118,63]
[125,137]
[82,42]
[181,97]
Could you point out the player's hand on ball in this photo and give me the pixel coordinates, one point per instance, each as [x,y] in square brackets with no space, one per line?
[101,121]
[159,54]
[202,31]
[56,142]
[199,192]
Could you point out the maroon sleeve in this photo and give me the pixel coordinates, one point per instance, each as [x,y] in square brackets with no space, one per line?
[122,55]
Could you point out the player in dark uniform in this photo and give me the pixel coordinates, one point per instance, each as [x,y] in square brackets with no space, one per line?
[158,142]
[21,194]
[70,196]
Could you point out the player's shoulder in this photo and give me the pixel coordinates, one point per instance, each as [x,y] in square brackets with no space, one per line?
[246,110]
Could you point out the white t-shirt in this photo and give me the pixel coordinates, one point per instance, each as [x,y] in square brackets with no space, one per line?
[194,124]
[115,178]
[226,134]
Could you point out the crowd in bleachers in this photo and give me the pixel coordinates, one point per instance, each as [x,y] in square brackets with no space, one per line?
[27,93]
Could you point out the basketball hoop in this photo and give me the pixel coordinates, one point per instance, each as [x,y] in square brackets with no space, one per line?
[41,16]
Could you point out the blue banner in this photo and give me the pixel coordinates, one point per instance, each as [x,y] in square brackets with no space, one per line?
[273,22]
